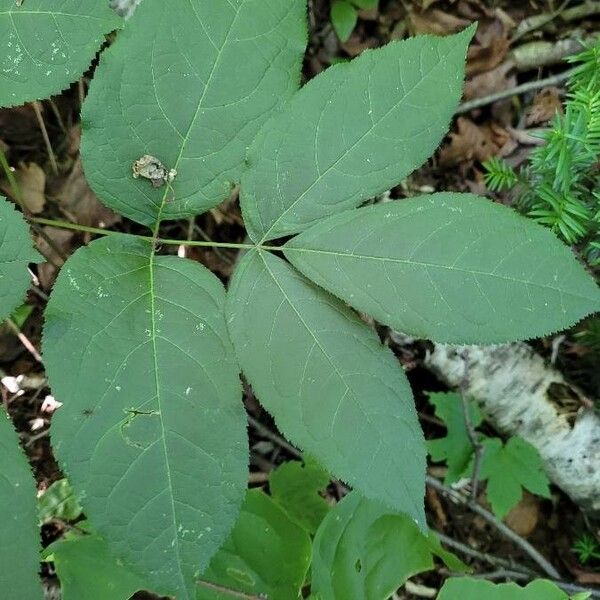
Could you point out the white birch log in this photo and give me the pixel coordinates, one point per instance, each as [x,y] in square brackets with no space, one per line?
[521,395]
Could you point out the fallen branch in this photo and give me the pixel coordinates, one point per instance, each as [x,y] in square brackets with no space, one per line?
[581,11]
[530,86]
[495,561]
[506,531]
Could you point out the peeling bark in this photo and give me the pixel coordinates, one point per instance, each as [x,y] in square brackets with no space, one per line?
[521,395]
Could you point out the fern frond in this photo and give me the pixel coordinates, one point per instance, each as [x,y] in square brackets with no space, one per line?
[588,67]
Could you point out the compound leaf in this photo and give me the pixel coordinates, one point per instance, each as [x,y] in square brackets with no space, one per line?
[152,434]
[20,546]
[351,133]
[87,569]
[295,487]
[15,253]
[45,46]
[331,386]
[450,267]
[508,468]
[267,554]
[455,448]
[363,550]
[477,589]
[191,85]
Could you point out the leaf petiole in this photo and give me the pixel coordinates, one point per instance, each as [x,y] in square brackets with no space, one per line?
[149,238]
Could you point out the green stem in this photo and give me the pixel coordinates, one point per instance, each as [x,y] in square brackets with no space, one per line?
[75,226]
[160,241]
[14,186]
[208,244]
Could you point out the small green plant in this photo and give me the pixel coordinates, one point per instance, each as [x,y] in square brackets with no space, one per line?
[559,185]
[144,348]
[344,15]
[586,548]
[508,468]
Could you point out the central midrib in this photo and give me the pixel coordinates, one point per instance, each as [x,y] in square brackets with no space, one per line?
[153,336]
[201,100]
[410,262]
[328,357]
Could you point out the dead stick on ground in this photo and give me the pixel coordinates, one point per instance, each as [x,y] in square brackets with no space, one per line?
[24,340]
[489,558]
[477,447]
[530,86]
[40,120]
[263,430]
[492,520]
[585,9]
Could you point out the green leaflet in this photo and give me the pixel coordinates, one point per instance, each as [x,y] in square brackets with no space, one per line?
[266,555]
[364,551]
[21,314]
[59,502]
[152,433]
[15,253]
[87,569]
[333,389]
[190,85]
[295,487]
[449,267]
[478,589]
[343,18]
[508,468]
[351,133]
[19,535]
[455,448]
[45,46]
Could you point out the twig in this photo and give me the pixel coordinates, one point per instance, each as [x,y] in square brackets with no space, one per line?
[572,588]
[417,589]
[489,558]
[477,446]
[530,86]
[502,574]
[538,21]
[40,120]
[225,590]
[585,9]
[39,293]
[263,430]
[81,91]
[58,116]
[38,436]
[492,520]
[24,340]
